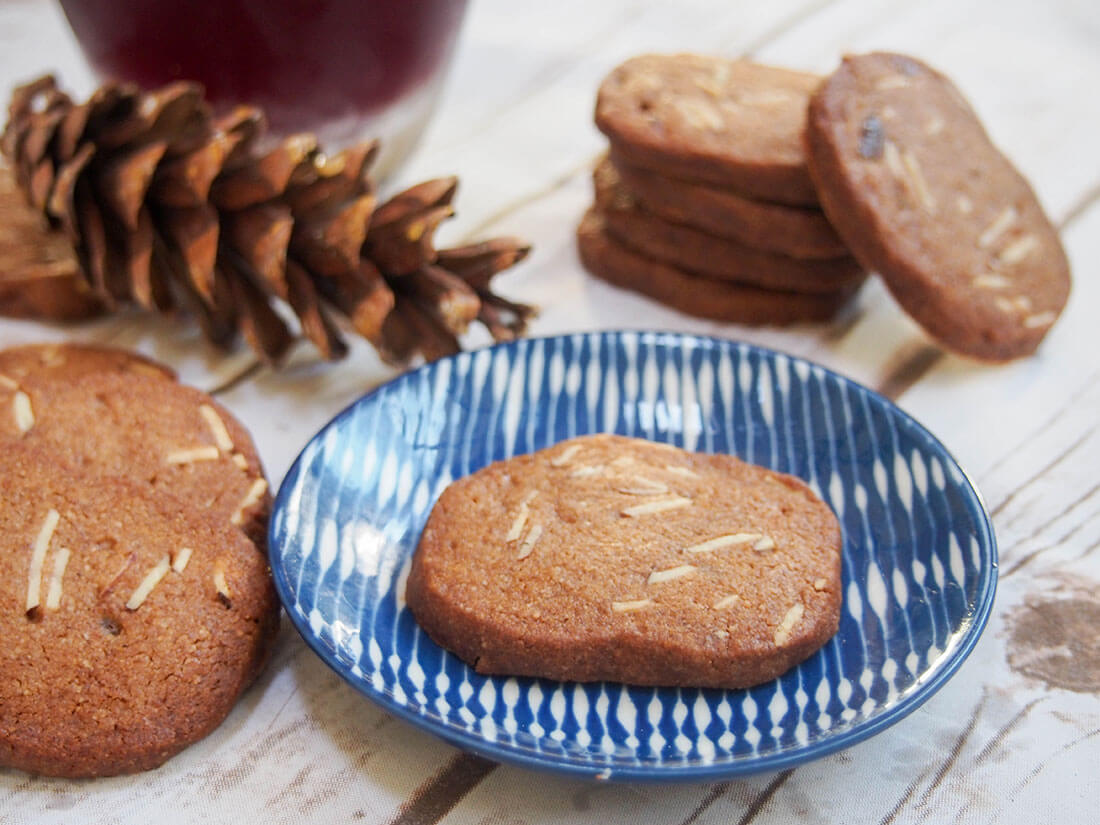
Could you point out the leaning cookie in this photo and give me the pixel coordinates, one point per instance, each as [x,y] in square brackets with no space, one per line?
[129,625]
[612,558]
[610,260]
[911,181]
[138,425]
[694,250]
[726,122]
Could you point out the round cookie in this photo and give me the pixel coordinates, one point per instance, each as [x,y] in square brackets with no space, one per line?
[729,123]
[608,259]
[795,231]
[911,181]
[140,426]
[612,558]
[126,632]
[715,257]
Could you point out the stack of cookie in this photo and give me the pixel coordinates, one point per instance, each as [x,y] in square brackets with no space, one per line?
[136,602]
[705,202]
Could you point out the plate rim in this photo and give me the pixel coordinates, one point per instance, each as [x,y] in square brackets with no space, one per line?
[464,739]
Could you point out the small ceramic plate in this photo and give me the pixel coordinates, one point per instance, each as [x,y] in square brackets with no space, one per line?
[919,552]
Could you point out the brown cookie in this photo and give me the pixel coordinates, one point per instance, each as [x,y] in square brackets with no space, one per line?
[691,249]
[137,425]
[794,231]
[611,558]
[911,181]
[607,258]
[129,625]
[730,123]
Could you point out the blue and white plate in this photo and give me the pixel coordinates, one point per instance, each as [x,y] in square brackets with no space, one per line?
[919,552]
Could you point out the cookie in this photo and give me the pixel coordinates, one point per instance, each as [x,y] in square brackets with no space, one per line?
[910,179]
[608,259]
[706,254]
[612,558]
[730,123]
[140,426]
[794,231]
[129,626]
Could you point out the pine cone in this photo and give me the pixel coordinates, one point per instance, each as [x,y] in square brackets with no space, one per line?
[170,207]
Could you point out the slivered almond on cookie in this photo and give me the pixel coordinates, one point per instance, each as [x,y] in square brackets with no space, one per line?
[654,566]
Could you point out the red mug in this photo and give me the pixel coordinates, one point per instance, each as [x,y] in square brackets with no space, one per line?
[343,69]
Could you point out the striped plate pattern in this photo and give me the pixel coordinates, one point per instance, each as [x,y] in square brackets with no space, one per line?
[919,552]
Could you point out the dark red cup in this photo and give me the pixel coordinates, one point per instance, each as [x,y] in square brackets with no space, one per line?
[343,69]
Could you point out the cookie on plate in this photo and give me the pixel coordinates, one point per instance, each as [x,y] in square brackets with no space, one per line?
[610,260]
[612,558]
[129,625]
[703,253]
[911,181]
[730,123]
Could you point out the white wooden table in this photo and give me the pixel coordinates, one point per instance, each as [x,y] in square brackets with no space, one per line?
[1014,737]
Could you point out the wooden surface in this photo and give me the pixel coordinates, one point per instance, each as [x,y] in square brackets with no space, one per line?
[1013,738]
